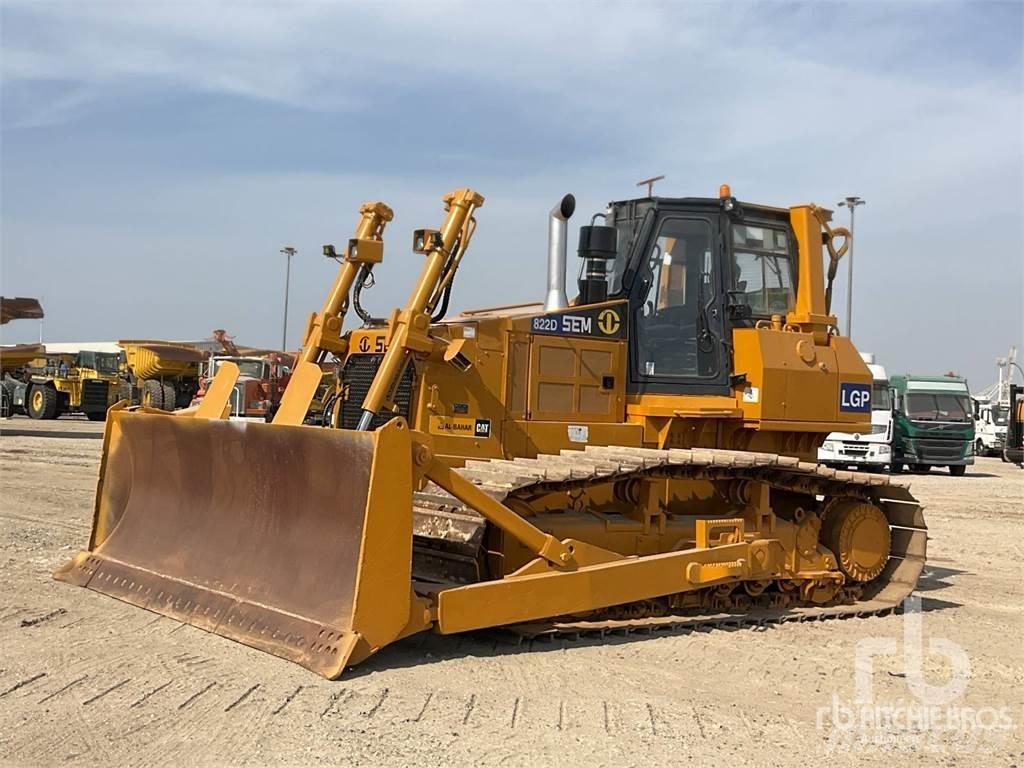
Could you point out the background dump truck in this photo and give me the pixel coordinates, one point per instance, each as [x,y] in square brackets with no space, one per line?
[161,374]
[872,450]
[933,423]
[14,357]
[85,382]
[14,360]
[990,420]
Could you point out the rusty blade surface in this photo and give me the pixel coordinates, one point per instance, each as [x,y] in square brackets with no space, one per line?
[248,530]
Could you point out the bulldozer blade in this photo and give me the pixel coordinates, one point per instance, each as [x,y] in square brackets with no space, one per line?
[293,540]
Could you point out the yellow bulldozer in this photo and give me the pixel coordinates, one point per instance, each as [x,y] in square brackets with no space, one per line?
[639,456]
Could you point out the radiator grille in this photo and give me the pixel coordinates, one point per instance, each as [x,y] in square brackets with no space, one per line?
[939,449]
[357,376]
[854,449]
[94,395]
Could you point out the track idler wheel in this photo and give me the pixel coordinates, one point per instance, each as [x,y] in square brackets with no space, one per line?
[858,534]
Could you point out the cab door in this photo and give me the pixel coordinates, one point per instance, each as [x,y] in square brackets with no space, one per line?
[676,304]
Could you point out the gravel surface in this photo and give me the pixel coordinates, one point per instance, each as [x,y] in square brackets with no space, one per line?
[87,679]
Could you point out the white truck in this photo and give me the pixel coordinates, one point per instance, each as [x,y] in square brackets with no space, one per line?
[870,451]
[990,420]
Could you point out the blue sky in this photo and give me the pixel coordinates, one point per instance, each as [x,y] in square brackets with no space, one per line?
[155,156]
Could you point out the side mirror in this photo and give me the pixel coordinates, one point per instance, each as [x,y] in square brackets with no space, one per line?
[894,398]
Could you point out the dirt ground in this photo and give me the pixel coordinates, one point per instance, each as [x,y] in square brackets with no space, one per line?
[87,679]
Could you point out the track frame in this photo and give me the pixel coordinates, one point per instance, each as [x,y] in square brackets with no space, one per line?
[541,597]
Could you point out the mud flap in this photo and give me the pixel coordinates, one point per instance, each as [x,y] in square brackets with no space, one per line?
[294,540]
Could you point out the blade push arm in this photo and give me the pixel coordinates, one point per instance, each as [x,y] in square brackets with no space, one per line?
[410,327]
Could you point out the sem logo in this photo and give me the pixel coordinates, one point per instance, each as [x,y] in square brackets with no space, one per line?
[854,398]
[575,324]
[608,321]
[605,323]
[364,344]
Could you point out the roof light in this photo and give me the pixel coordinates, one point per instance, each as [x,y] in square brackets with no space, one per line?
[724,191]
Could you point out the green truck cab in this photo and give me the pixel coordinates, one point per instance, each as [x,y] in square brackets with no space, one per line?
[932,423]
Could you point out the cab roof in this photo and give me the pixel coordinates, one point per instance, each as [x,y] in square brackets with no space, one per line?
[700,202]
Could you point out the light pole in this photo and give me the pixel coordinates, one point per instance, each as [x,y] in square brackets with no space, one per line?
[288,251]
[1018,368]
[850,202]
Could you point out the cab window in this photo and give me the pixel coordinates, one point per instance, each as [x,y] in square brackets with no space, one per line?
[673,334]
[926,406]
[762,270]
[107,363]
[880,400]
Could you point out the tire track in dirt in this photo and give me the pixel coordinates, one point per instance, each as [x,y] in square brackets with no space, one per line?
[249,691]
[287,700]
[63,688]
[148,695]
[46,522]
[101,694]
[374,709]
[35,622]
[195,696]
[101,656]
[22,683]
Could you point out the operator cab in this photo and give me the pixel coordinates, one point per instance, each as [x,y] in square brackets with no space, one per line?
[691,270]
[104,363]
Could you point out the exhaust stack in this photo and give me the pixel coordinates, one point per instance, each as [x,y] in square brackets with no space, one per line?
[558,233]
